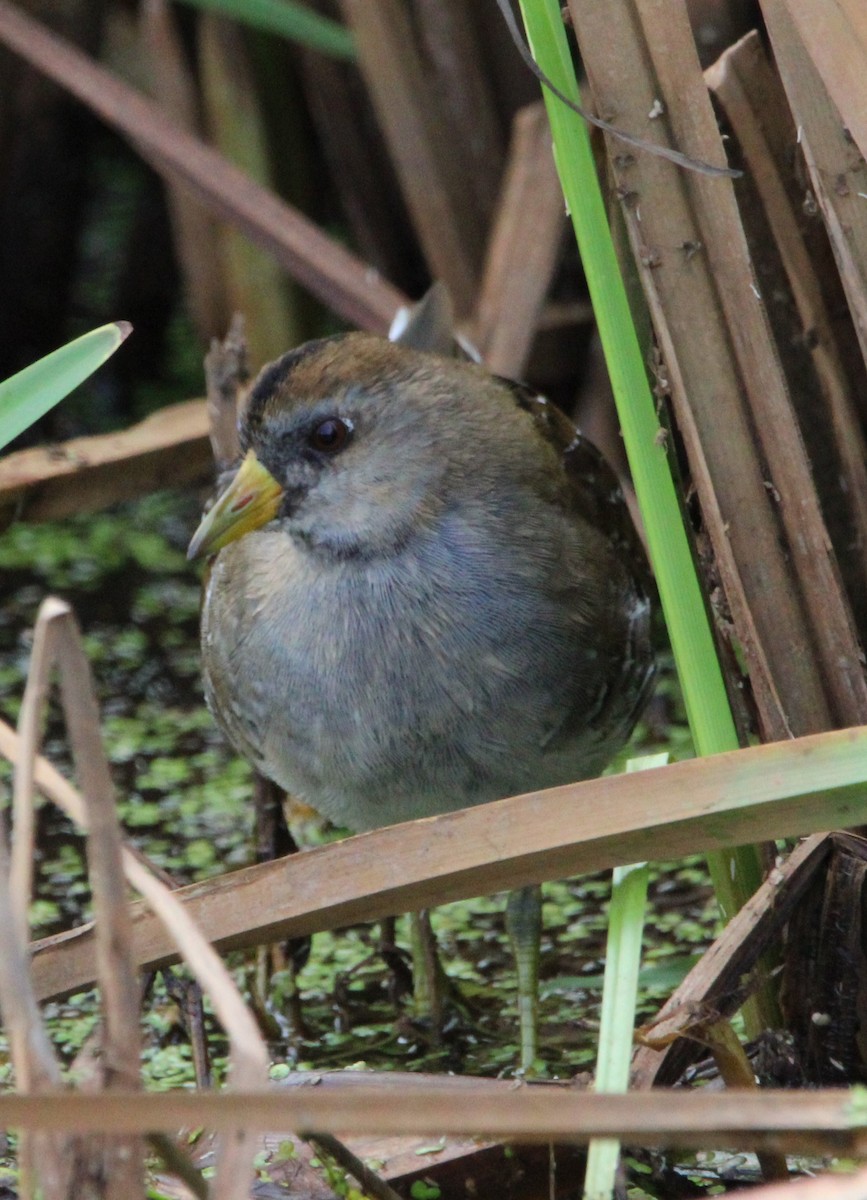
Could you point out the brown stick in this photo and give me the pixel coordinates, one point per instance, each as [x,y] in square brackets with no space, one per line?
[372,1184]
[43,1159]
[746,85]
[717,977]
[736,1072]
[685,808]
[168,449]
[461,64]
[226,373]
[834,162]
[117,975]
[837,45]
[829,1121]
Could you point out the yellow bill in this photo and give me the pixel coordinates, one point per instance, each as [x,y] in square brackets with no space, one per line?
[250,501]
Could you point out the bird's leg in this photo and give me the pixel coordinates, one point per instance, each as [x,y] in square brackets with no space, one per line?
[524,926]
[274,840]
[429,980]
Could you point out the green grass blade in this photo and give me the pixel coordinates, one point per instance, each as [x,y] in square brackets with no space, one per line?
[735,874]
[619,999]
[622,962]
[27,396]
[294,21]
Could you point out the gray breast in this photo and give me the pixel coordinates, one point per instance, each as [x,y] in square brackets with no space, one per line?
[459,671]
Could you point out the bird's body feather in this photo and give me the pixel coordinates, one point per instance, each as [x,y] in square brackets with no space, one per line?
[441,614]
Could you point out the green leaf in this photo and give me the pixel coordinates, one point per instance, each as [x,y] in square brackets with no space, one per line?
[27,396]
[424,1190]
[434,1149]
[294,21]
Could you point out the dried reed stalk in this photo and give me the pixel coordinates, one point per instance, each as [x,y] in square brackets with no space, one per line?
[821,1121]
[752,97]
[721,978]
[57,642]
[255,283]
[719,361]
[226,373]
[831,132]
[33,1060]
[167,449]
[410,110]
[523,248]
[453,45]
[778,790]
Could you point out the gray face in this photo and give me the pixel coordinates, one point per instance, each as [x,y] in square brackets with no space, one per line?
[364,468]
[350,484]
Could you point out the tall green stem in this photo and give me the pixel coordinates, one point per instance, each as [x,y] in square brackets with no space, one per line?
[735,874]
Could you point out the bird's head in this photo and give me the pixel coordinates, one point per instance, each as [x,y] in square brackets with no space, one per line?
[348,444]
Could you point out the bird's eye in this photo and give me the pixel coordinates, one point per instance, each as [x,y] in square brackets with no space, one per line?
[330,435]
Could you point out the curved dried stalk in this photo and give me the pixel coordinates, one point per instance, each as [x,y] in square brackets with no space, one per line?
[57,643]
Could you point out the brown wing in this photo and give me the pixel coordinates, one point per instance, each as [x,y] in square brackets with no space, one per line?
[595,493]
[596,496]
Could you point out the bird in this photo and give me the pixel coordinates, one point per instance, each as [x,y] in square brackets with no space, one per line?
[427,593]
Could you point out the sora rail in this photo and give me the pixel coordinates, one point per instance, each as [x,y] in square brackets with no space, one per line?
[428,592]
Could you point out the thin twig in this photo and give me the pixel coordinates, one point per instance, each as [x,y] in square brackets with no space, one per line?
[45,1162]
[675,156]
[226,373]
[29,726]
[737,1072]
[117,976]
